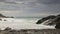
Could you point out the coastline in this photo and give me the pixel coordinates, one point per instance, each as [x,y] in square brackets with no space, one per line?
[32,31]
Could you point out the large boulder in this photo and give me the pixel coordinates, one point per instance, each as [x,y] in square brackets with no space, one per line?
[45,18]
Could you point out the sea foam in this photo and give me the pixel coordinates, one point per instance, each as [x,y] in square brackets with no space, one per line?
[22,24]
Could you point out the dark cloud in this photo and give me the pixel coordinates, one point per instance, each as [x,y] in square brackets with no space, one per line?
[39,1]
[49,1]
[30,7]
[2,0]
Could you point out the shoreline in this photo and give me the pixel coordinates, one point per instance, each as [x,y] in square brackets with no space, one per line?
[31,31]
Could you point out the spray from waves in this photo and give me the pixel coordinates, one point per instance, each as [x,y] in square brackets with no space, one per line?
[22,24]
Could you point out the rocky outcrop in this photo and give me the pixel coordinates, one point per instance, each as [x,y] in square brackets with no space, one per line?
[50,20]
[57,20]
[57,26]
[7,29]
[2,16]
[45,18]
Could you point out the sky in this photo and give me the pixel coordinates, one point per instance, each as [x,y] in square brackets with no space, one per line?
[29,8]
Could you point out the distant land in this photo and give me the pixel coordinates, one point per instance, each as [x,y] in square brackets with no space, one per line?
[30,17]
[3,16]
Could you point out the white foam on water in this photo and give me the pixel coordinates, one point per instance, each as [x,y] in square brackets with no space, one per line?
[22,24]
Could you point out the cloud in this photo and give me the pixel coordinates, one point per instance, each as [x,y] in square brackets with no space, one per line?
[38,1]
[26,14]
[23,8]
[11,13]
[2,0]
[49,1]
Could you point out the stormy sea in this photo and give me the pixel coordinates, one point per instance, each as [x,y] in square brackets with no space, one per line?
[27,25]
[22,23]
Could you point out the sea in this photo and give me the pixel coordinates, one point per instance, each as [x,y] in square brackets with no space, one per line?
[22,23]
[29,19]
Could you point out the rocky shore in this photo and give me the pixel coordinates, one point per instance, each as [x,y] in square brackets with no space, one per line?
[50,20]
[31,31]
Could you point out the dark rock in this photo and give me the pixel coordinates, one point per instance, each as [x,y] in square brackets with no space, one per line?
[12,31]
[57,26]
[58,15]
[7,29]
[2,16]
[12,17]
[0,19]
[5,20]
[51,20]
[45,18]
[57,20]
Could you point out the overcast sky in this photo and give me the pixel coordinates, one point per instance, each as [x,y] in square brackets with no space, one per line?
[25,8]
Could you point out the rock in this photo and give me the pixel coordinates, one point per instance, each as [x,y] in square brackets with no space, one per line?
[50,20]
[3,16]
[57,20]
[7,29]
[57,26]
[0,19]
[5,20]
[45,18]
[58,15]
[12,17]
